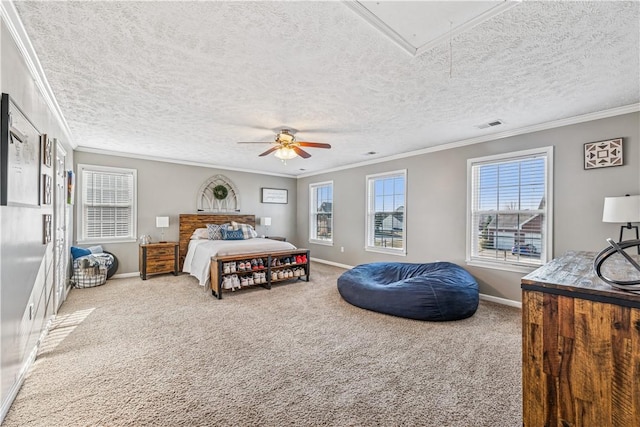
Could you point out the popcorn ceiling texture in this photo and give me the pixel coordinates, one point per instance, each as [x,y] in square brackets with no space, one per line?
[187,80]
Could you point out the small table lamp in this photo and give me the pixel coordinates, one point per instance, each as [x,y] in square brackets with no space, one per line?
[622,210]
[162,222]
[266,222]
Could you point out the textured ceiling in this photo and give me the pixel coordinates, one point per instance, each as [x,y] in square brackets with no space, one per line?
[187,80]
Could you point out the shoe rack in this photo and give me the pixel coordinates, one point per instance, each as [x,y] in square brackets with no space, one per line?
[230,273]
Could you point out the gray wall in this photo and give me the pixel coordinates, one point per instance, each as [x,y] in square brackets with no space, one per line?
[437,199]
[21,249]
[171,189]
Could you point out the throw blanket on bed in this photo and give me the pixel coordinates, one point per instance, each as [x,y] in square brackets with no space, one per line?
[198,259]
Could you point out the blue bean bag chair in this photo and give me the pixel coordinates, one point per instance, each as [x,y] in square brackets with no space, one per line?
[437,291]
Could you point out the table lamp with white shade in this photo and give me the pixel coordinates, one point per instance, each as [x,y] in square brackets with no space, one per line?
[162,222]
[624,210]
[266,222]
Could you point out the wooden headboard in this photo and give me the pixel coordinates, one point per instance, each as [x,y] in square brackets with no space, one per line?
[189,222]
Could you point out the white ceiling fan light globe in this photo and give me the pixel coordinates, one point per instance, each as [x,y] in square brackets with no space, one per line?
[285,153]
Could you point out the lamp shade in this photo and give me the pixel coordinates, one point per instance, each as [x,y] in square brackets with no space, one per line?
[621,209]
[162,221]
[266,221]
[285,153]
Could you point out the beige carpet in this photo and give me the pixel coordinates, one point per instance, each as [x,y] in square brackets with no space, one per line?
[164,352]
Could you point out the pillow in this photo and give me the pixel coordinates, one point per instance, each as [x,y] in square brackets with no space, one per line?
[95,249]
[247,230]
[215,231]
[77,252]
[232,234]
[200,233]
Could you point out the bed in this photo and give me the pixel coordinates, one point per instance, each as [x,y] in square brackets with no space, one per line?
[196,254]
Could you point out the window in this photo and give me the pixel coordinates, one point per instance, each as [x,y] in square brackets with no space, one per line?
[321,212]
[107,204]
[386,203]
[509,216]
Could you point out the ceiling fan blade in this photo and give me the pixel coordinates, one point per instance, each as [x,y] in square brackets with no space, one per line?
[314,144]
[269,151]
[301,152]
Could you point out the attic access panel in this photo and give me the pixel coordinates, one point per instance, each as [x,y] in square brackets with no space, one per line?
[418,26]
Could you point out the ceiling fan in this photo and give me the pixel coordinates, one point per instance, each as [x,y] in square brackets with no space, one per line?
[286,146]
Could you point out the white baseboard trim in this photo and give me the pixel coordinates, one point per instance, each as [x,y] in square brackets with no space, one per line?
[335,264]
[15,388]
[125,275]
[503,301]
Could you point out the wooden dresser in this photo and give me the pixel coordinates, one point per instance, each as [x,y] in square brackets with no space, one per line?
[155,258]
[580,345]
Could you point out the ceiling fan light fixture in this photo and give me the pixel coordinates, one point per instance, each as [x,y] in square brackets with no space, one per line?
[285,153]
[284,136]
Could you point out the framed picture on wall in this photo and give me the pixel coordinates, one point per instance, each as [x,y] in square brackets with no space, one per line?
[71,187]
[19,157]
[274,195]
[47,150]
[46,189]
[603,154]
[46,229]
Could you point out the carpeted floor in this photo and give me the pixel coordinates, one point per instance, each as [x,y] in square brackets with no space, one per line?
[164,352]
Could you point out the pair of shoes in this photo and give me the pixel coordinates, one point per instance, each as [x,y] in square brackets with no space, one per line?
[260,264]
[229,267]
[231,282]
[244,281]
[254,264]
[274,276]
[303,259]
[259,278]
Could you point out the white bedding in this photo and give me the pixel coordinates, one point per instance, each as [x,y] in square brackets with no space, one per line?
[197,262]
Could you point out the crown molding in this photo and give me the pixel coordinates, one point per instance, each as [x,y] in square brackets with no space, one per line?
[14,24]
[176,161]
[618,111]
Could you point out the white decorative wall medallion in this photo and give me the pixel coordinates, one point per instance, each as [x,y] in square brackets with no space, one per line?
[218,194]
[603,154]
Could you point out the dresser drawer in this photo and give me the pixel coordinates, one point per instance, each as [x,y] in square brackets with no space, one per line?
[160,266]
[162,252]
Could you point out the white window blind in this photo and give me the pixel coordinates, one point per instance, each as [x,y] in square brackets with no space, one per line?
[107,203]
[321,212]
[509,219]
[386,212]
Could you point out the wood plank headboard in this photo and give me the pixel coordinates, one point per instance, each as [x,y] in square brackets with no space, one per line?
[189,222]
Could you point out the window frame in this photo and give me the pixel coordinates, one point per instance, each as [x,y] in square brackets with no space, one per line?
[81,238]
[370,213]
[547,250]
[313,237]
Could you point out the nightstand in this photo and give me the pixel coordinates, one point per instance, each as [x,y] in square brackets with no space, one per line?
[156,258]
